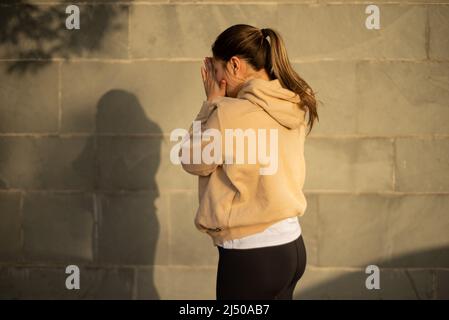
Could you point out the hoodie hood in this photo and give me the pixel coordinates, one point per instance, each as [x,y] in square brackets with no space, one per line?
[280,103]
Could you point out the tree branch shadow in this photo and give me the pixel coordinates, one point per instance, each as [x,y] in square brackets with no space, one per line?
[34,33]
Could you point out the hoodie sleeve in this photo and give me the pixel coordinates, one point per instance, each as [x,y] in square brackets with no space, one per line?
[208,115]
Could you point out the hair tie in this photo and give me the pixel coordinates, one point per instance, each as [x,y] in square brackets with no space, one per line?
[264,32]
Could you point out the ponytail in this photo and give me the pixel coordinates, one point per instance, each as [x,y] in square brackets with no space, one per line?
[278,66]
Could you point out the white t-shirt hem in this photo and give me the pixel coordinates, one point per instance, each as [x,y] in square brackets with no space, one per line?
[282,232]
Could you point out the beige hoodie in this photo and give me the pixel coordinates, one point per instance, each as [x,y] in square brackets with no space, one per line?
[236,200]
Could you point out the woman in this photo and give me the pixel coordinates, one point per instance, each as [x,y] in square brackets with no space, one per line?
[251,215]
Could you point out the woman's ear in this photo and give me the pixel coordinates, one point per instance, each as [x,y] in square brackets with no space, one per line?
[234,68]
[234,64]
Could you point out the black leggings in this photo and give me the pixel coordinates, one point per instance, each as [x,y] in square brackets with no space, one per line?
[265,273]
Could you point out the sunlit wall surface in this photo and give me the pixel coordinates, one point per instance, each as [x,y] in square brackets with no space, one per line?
[85,120]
